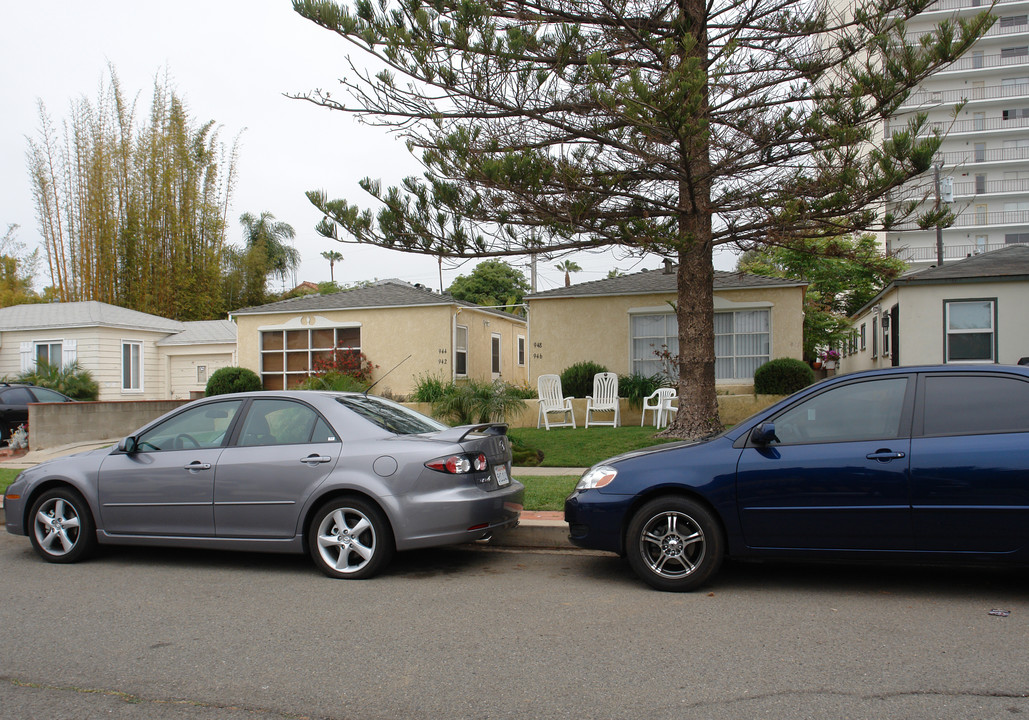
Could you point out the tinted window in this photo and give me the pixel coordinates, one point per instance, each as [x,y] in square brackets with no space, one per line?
[860,411]
[46,395]
[968,405]
[282,422]
[200,427]
[18,396]
[390,416]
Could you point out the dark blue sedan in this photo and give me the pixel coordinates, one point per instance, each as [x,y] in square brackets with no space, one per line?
[907,464]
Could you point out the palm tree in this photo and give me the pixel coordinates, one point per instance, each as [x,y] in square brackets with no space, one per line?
[333,257]
[267,235]
[568,266]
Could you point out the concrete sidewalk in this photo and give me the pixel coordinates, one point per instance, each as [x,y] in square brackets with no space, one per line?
[536,530]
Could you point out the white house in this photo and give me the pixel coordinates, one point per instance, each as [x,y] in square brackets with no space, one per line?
[132,355]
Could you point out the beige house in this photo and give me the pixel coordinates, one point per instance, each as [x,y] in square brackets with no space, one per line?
[132,355]
[969,311]
[395,324]
[623,322]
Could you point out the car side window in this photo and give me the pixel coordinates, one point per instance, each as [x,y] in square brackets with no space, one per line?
[283,422]
[869,410]
[204,426]
[18,396]
[970,405]
[45,395]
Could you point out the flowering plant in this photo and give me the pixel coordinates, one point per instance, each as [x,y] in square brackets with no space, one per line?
[830,356]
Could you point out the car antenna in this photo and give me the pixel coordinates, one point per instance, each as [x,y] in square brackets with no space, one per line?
[369,388]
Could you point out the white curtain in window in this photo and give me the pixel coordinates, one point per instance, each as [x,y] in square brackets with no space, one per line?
[970,316]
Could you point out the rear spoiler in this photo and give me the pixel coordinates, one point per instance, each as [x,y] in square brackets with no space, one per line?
[459,433]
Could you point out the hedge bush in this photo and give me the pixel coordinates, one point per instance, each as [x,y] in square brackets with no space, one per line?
[782,376]
[232,380]
[577,379]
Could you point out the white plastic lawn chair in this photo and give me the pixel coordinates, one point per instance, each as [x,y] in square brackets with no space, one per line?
[660,403]
[604,399]
[551,401]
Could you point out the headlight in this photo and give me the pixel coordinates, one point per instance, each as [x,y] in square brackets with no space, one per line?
[597,477]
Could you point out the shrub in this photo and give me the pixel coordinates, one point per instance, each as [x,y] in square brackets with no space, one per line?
[430,388]
[636,387]
[232,380]
[334,382]
[72,380]
[782,376]
[477,401]
[347,362]
[577,379]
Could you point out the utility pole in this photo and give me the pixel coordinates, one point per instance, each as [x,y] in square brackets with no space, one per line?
[939,228]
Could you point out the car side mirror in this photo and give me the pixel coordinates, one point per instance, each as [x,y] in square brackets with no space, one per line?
[764,434]
[128,445]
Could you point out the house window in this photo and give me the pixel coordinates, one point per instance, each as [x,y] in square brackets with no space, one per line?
[980,152]
[875,338]
[49,353]
[652,337]
[742,343]
[1014,52]
[862,337]
[1013,20]
[521,351]
[461,351]
[201,374]
[1015,113]
[288,357]
[980,184]
[970,330]
[1016,238]
[131,366]
[495,354]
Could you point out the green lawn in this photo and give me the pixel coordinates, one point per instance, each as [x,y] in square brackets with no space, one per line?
[547,492]
[579,447]
[7,476]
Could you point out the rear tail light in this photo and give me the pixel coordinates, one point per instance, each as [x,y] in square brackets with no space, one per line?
[459,464]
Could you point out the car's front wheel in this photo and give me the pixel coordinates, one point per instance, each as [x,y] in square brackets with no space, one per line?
[350,538]
[674,543]
[61,527]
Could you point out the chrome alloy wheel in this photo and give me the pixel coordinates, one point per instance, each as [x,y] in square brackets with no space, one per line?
[57,526]
[672,545]
[346,540]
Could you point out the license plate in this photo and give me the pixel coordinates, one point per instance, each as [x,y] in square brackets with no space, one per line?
[502,478]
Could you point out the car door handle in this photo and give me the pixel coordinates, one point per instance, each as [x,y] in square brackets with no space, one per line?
[884,455]
[197,465]
[315,459]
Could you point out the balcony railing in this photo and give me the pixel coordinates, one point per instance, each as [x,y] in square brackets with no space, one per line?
[950,252]
[997,30]
[949,97]
[984,62]
[972,156]
[960,126]
[963,4]
[970,217]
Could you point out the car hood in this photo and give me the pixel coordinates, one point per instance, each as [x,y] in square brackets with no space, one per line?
[93,457]
[653,450]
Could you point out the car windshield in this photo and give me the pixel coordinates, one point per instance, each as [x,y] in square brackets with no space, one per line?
[390,416]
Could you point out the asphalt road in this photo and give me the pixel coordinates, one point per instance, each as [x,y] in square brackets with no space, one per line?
[466,633]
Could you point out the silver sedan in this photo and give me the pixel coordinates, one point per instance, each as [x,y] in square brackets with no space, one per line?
[348,478]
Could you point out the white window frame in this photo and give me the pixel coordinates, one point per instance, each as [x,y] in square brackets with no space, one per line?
[313,352]
[520,351]
[49,345]
[460,350]
[948,332]
[496,364]
[138,344]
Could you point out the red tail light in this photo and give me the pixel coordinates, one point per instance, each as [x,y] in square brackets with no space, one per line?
[459,464]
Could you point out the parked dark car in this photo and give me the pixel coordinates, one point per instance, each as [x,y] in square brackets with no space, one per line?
[348,478]
[906,464]
[14,405]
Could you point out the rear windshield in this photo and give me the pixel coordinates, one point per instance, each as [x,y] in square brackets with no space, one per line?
[389,415]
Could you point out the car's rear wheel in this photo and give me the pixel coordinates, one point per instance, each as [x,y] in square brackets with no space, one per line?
[674,543]
[61,527]
[350,538]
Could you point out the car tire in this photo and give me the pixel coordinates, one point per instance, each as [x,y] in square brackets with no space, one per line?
[674,543]
[350,538]
[61,526]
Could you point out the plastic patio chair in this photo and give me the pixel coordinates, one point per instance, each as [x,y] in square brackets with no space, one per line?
[551,400]
[604,399]
[659,402]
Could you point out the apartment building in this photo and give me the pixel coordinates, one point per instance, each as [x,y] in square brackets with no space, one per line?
[985,156]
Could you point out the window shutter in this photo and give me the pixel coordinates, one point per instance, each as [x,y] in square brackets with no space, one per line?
[70,352]
[26,357]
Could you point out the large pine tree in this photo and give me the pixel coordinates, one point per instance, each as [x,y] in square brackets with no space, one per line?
[666,127]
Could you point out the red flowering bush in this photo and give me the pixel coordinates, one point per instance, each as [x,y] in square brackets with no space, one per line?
[346,361]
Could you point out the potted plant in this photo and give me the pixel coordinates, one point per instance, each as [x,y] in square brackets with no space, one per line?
[829,359]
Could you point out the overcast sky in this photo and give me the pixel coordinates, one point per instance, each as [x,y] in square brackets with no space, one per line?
[231,61]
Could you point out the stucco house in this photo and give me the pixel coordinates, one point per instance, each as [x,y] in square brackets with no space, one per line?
[395,324]
[968,311]
[132,355]
[623,322]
